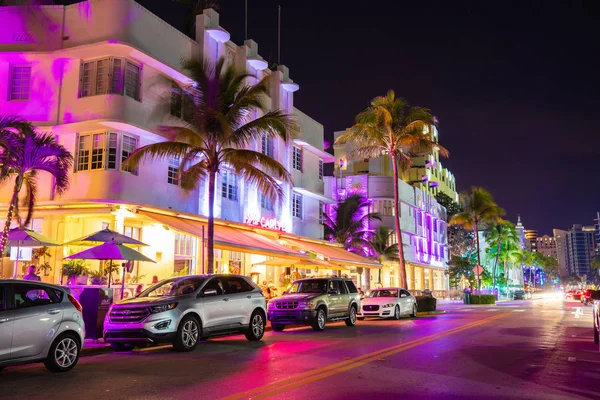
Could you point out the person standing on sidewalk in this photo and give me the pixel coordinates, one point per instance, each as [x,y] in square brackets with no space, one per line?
[31,275]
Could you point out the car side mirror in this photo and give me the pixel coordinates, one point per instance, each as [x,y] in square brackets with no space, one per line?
[402,295]
[209,292]
[333,292]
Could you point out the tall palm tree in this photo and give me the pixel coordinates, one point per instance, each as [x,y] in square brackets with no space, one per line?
[382,249]
[30,153]
[501,235]
[218,111]
[348,224]
[478,207]
[389,126]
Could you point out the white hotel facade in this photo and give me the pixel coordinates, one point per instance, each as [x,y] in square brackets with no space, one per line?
[88,72]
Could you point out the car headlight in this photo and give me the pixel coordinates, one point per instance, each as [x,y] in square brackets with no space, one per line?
[306,305]
[389,305]
[162,308]
[271,305]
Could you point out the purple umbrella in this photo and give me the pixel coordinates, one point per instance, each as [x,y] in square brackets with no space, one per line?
[111,251]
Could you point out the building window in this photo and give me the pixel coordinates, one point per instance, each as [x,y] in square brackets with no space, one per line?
[184,252]
[267,147]
[229,189]
[20,82]
[173,171]
[133,232]
[321,212]
[297,159]
[266,203]
[99,151]
[128,147]
[320,169]
[132,81]
[107,75]
[297,205]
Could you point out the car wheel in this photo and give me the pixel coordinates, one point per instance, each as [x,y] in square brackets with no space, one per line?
[351,320]
[256,329]
[188,334]
[121,347]
[397,313]
[63,354]
[278,327]
[321,320]
[414,311]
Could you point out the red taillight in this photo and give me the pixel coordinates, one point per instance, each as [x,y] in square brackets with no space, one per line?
[74,301]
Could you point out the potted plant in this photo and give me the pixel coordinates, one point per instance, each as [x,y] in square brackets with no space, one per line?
[76,272]
[98,278]
[39,255]
[137,278]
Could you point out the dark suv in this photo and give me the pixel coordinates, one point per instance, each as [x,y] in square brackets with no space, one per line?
[314,301]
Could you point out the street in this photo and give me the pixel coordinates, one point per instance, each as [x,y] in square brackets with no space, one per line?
[540,349]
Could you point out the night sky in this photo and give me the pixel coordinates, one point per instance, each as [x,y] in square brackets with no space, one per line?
[514,84]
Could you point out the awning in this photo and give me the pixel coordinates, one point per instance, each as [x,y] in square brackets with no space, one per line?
[286,262]
[228,238]
[333,254]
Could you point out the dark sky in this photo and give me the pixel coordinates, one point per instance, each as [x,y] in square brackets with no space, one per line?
[514,84]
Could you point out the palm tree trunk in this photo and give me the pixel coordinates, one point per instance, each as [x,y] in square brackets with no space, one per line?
[211,222]
[494,269]
[478,257]
[401,265]
[9,216]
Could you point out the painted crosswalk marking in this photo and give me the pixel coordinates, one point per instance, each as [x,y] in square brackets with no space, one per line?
[518,310]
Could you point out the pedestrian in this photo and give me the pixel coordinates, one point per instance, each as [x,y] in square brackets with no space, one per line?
[361,293]
[31,275]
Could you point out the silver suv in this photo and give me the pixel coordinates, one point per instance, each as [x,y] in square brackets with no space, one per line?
[39,322]
[314,301]
[185,310]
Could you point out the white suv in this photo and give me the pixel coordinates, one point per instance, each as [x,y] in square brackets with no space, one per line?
[187,309]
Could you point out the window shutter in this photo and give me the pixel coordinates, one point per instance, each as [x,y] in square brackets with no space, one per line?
[110,81]
[140,83]
[80,83]
[76,163]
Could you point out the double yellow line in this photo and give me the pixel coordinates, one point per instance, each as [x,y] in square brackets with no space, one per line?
[333,369]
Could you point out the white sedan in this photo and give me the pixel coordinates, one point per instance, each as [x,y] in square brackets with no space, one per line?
[388,303]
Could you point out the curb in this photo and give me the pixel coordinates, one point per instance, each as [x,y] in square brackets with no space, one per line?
[95,350]
[436,312]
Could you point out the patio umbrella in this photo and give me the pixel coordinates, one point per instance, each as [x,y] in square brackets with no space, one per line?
[111,251]
[284,262]
[22,237]
[103,236]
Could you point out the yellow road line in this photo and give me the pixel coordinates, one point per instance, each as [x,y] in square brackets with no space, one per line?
[324,372]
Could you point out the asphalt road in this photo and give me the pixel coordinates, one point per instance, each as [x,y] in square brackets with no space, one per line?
[541,349]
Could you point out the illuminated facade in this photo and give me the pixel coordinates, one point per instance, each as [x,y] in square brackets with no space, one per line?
[422,221]
[91,73]
[426,172]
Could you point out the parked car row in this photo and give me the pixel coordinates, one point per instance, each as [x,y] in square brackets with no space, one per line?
[42,322]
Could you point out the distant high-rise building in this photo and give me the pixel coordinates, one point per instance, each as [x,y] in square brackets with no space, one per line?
[531,239]
[521,230]
[547,246]
[597,233]
[560,239]
[580,249]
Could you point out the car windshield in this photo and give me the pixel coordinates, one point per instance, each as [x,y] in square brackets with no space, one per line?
[384,293]
[311,286]
[173,287]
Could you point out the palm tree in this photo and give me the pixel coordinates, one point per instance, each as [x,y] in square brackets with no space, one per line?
[347,223]
[30,153]
[193,9]
[478,207]
[218,128]
[501,235]
[389,126]
[381,247]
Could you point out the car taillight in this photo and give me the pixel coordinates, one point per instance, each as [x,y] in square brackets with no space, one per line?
[74,301]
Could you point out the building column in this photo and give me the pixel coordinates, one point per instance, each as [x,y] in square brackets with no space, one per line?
[421,285]
[411,277]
